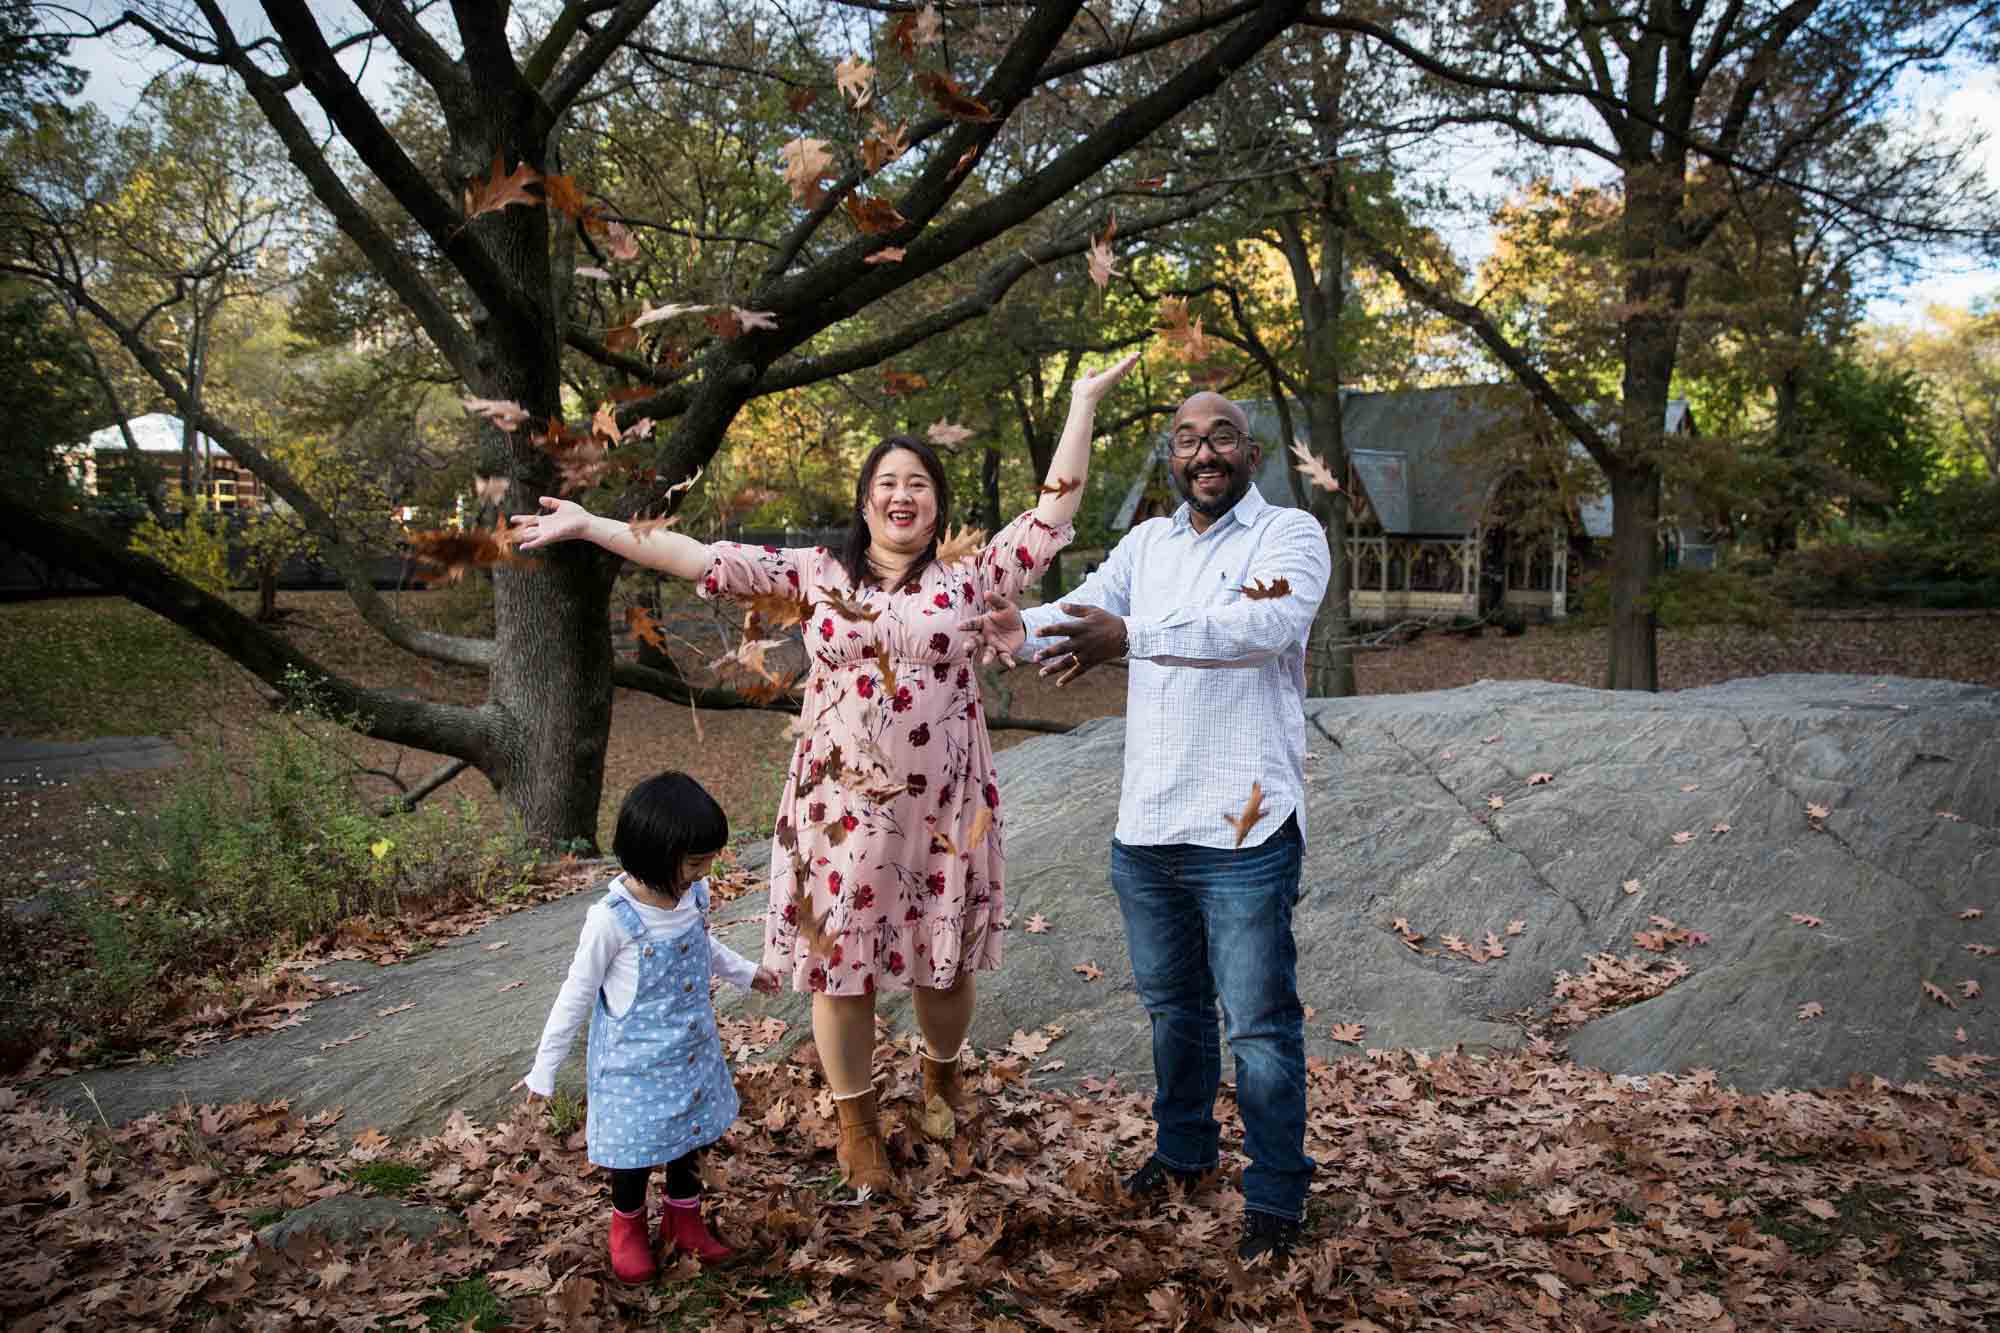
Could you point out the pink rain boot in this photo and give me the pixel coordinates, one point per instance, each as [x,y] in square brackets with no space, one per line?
[631,1255]
[682,1227]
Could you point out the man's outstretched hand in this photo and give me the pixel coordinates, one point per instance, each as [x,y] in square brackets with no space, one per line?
[1000,631]
[1092,638]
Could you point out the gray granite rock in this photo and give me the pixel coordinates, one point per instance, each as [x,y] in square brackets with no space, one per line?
[1395,830]
[357,1216]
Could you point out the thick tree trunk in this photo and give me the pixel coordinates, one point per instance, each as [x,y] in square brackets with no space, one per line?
[267,590]
[552,681]
[1635,522]
[1329,647]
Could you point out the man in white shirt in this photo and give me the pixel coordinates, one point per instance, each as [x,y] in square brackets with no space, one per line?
[1212,607]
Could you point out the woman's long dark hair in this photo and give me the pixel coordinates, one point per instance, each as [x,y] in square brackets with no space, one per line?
[854,551]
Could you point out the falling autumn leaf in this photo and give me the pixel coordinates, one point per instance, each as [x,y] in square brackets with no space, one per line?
[508,416]
[899,383]
[564,195]
[1253,810]
[1540,779]
[1959,1035]
[951,99]
[855,78]
[1496,802]
[1811,922]
[1631,886]
[884,146]
[800,100]
[654,314]
[849,610]
[1312,469]
[1037,924]
[1719,828]
[1102,269]
[453,551]
[1811,1009]
[1683,838]
[960,544]
[502,189]
[1348,1033]
[620,243]
[1259,591]
[872,216]
[888,254]
[1954,818]
[1969,989]
[1490,740]
[396,1009]
[1817,812]
[1516,927]
[1690,786]
[1088,971]
[511,985]
[1972,914]
[807,162]
[1060,487]
[948,434]
[648,630]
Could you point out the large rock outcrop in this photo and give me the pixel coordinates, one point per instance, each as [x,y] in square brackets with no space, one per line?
[1401,827]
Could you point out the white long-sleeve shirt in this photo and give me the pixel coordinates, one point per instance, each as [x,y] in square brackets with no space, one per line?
[1196,735]
[607,959]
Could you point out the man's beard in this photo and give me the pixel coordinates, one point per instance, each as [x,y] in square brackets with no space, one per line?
[1234,472]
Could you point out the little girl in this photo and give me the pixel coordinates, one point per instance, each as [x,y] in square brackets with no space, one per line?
[659,1089]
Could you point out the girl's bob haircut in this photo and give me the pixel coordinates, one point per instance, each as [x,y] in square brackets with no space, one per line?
[666,819]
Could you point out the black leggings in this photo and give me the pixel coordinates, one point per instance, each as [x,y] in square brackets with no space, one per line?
[628,1185]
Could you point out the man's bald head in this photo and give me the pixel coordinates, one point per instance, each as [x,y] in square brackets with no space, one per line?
[1204,409]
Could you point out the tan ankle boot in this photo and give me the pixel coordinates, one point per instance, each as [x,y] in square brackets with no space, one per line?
[948,1103]
[863,1157]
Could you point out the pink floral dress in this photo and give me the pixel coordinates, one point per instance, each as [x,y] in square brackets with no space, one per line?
[889,830]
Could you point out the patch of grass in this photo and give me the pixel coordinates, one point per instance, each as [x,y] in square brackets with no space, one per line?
[387,1177]
[264,1217]
[1866,1213]
[469,1304]
[1632,1306]
[82,667]
[566,1112]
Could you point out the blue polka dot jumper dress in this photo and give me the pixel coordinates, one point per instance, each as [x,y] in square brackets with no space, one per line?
[659,1086]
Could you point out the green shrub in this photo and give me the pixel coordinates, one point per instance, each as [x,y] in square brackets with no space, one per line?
[1683,598]
[197,550]
[234,868]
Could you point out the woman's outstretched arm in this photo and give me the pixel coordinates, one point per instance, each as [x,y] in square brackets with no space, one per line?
[1072,458]
[658,548]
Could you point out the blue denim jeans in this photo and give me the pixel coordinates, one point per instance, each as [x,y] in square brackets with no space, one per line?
[1205,924]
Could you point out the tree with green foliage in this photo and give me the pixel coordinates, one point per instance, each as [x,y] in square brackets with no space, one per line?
[1677,106]
[484,234]
[49,397]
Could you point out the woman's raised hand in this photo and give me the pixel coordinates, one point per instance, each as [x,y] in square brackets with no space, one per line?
[559,521]
[1093,388]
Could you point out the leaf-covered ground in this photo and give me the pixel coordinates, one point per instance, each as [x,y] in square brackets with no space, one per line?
[1453,1193]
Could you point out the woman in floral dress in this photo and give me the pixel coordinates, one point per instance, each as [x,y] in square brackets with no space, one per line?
[887,866]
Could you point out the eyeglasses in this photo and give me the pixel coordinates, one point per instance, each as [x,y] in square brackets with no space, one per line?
[1223,439]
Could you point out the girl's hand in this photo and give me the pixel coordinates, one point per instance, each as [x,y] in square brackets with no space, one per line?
[766,981]
[559,521]
[522,1086]
[1092,389]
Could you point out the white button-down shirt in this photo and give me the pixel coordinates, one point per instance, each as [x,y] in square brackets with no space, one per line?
[1218,682]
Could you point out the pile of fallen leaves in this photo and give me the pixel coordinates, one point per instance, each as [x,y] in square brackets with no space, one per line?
[1453,1192]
